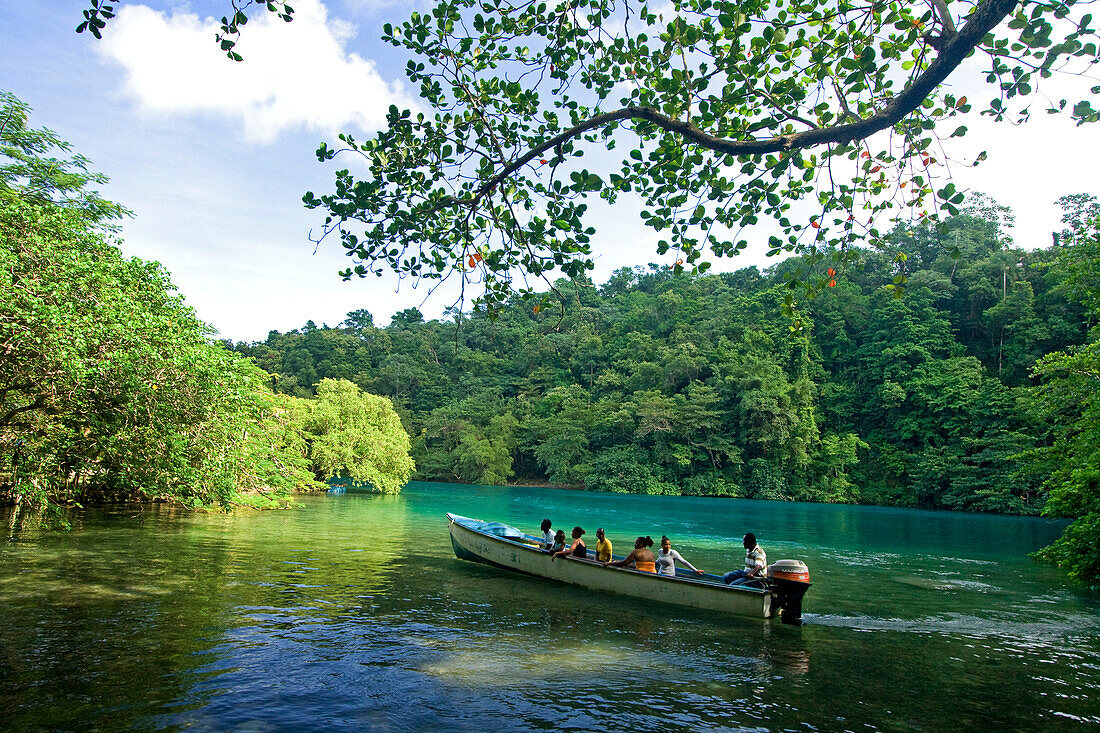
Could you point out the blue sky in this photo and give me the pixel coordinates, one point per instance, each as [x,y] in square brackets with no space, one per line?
[214,157]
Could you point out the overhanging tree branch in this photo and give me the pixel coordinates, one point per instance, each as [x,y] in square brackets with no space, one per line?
[953,49]
[715,169]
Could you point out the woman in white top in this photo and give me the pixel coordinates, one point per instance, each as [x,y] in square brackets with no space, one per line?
[547,535]
[667,557]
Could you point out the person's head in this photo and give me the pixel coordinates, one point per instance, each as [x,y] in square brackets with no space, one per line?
[642,543]
[599,533]
[546,525]
[666,543]
[750,541]
[560,536]
[577,532]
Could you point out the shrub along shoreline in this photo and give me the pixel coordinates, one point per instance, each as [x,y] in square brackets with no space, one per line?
[110,386]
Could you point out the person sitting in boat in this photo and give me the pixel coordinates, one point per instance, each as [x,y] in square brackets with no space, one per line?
[603,546]
[667,557]
[559,542]
[547,535]
[755,564]
[641,557]
[577,549]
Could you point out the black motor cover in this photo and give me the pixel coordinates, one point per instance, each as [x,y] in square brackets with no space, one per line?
[788,596]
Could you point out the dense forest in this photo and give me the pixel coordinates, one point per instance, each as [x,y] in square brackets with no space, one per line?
[110,386]
[949,369]
[661,383]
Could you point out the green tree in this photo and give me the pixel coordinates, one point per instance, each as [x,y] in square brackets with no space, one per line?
[837,455]
[488,459]
[1069,398]
[562,429]
[626,469]
[109,385]
[33,172]
[357,435]
[759,388]
[470,440]
[729,114]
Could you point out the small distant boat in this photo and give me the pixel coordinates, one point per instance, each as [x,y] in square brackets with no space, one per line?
[503,546]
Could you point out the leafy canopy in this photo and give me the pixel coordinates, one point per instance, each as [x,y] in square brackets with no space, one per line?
[729,115]
[1069,397]
[110,387]
[732,115]
[32,171]
[357,435]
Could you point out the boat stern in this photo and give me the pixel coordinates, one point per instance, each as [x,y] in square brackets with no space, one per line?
[789,581]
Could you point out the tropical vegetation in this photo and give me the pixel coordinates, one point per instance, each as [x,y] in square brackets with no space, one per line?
[968,393]
[1068,399]
[976,391]
[112,388]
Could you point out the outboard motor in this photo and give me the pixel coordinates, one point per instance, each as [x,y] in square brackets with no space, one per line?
[789,579]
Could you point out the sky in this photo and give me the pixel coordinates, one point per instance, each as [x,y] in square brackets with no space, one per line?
[213,157]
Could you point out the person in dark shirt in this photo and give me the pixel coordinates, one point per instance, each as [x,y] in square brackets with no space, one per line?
[577,549]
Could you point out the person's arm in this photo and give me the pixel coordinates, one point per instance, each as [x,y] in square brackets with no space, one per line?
[629,559]
[677,556]
[567,551]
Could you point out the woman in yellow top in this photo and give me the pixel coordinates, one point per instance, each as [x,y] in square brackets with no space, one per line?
[603,546]
[641,557]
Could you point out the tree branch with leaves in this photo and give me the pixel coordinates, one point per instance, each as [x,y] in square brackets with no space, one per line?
[731,116]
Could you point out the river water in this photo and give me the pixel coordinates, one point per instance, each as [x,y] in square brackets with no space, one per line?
[352,613]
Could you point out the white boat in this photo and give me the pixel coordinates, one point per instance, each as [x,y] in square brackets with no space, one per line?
[505,547]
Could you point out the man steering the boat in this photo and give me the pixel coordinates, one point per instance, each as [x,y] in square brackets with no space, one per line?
[756,562]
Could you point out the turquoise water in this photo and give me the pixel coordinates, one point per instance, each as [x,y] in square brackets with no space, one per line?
[352,613]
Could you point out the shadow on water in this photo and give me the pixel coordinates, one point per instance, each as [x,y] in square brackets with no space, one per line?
[352,613]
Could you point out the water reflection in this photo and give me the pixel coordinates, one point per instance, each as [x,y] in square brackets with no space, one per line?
[352,613]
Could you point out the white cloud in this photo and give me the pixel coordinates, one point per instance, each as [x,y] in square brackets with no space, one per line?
[370,7]
[295,75]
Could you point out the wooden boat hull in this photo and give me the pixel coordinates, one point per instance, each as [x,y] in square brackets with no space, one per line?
[708,593]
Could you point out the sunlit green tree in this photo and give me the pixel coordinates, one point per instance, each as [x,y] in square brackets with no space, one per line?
[1069,397]
[37,166]
[110,386]
[357,435]
[727,115]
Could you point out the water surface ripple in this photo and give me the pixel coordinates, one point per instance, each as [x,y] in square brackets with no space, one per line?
[351,613]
